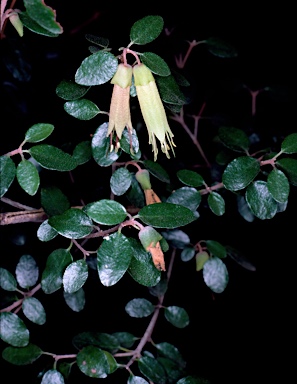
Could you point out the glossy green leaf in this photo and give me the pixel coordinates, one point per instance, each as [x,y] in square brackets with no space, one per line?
[289,166]
[113,365]
[169,90]
[33,26]
[82,109]
[96,69]
[92,361]
[129,143]
[146,29]
[73,224]
[176,238]
[113,256]
[75,300]
[7,280]
[244,209]
[187,196]
[120,181]
[177,316]
[187,253]
[7,174]
[125,339]
[13,330]
[98,40]
[51,157]
[22,356]
[38,132]
[28,177]
[216,203]
[155,63]
[216,248]
[53,200]
[82,153]
[260,200]
[27,271]
[234,138]
[168,350]
[45,232]
[157,170]
[135,194]
[136,380]
[101,147]
[219,47]
[160,289]
[97,339]
[34,310]
[278,185]
[172,369]
[142,268]
[201,258]
[52,275]
[215,274]
[152,369]
[166,215]
[75,276]
[107,212]
[289,144]
[69,90]
[44,15]
[240,172]
[52,377]
[139,308]
[190,178]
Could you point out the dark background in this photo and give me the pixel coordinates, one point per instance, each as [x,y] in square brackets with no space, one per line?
[241,335]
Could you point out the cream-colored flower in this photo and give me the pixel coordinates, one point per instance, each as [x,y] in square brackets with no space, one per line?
[152,110]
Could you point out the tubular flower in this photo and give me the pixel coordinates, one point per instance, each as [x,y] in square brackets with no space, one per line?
[119,112]
[152,110]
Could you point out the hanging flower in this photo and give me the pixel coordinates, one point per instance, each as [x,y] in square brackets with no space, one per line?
[119,112]
[152,110]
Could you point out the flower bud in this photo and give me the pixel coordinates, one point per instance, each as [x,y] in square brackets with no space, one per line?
[201,259]
[143,178]
[16,22]
[150,240]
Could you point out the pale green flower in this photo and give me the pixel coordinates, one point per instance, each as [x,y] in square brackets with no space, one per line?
[152,110]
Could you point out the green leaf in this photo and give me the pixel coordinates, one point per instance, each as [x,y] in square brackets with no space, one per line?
[289,144]
[75,276]
[125,339]
[160,289]
[155,63]
[34,310]
[76,300]
[157,170]
[169,90]
[113,365]
[187,253]
[216,248]
[27,271]
[96,69]
[289,166]
[7,280]
[82,152]
[129,139]
[146,29]
[7,174]
[187,196]
[97,339]
[22,356]
[139,308]
[166,215]
[215,274]
[120,181]
[190,178]
[216,203]
[177,238]
[142,268]
[98,40]
[136,380]
[45,232]
[38,132]
[234,138]
[239,258]
[168,350]
[69,90]
[135,194]
[107,212]
[172,369]
[113,257]
[278,185]
[52,276]
[152,369]
[220,48]
[82,109]
[28,177]
[240,173]
[244,209]
[93,362]
[13,330]
[33,26]
[177,316]
[52,377]
[51,157]
[101,147]
[260,200]
[193,380]
[53,201]
[73,224]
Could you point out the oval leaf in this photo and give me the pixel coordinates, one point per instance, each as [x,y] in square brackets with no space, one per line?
[155,63]
[93,362]
[139,308]
[69,90]
[51,157]
[81,109]
[240,173]
[186,196]
[146,29]
[152,369]
[13,330]
[278,185]
[177,316]
[52,377]
[157,170]
[289,144]
[38,132]
[215,274]
[120,181]
[107,212]
[260,200]
[101,147]
[216,203]
[190,178]
[289,166]
[28,177]
[75,276]
[7,280]
[22,356]
[234,138]
[45,232]
[76,300]
[7,174]
[27,271]
[34,310]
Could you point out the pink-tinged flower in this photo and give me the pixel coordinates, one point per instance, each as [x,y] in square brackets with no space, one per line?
[152,110]
[119,112]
